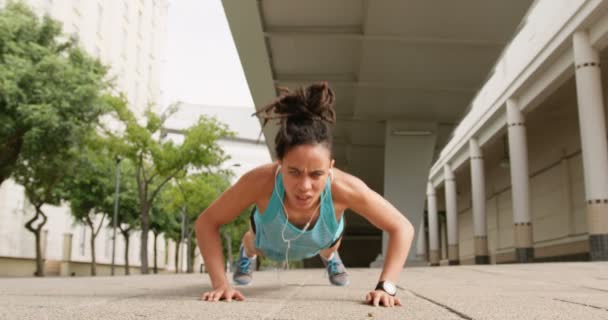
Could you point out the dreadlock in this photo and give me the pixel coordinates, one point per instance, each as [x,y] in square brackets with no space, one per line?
[304,115]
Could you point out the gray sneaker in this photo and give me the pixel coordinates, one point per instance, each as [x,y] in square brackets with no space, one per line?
[336,270]
[244,269]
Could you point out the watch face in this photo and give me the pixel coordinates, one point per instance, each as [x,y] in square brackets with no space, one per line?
[389,288]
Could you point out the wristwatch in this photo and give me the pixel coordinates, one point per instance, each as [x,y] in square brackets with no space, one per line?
[387,287]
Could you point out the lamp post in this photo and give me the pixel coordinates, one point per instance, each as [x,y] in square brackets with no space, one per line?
[114,222]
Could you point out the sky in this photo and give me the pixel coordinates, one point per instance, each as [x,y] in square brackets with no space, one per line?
[201,64]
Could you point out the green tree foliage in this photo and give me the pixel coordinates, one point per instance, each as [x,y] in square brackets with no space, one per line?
[162,222]
[233,232]
[89,188]
[193,194]
[159,160]
[172,226]
[128,205]
[44,183]
[51,95]
[51,92]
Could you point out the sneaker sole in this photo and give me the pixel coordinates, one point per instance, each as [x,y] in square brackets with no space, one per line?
[240,283]
[340,284]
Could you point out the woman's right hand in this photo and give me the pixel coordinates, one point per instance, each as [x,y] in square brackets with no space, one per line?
[222,293]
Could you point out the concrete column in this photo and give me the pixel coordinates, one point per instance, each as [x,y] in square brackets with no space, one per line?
[66,255]
[452,215]
[478,194]
[405,175]
[434,252]
[444,240]
[593,143]
[421,242]
[520,185]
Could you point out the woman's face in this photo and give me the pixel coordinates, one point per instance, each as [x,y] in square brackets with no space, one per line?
[305,169]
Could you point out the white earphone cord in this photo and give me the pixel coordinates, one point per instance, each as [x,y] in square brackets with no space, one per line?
[288,241]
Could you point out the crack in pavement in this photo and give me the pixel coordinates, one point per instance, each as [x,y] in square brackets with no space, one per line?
[519,277]
[581,304]
[452,310]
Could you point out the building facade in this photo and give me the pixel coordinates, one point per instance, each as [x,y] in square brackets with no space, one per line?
[525,176]
[503,101]
[127,36]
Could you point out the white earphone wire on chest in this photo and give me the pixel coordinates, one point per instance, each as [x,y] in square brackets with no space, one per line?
[303,230]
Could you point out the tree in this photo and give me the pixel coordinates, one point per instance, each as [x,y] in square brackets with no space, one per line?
[51,92]
[90,187]
[157,160]
[44,183]
[193,194]
[51,95]
[234,232]
[128,205]
[161,222]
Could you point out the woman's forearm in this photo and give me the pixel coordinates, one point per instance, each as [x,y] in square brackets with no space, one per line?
[399,244]
[210,244]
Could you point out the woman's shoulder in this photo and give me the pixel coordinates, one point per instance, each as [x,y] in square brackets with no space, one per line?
[260,179]
[345,187]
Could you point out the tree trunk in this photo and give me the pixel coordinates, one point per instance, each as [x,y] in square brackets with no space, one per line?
[125,234]
[144,237]
[191,249]
[166,257]
[36,231]
[155,253]
[39,262]
[93,260]
[177,257]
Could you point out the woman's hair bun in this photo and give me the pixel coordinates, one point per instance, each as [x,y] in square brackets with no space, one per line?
[319,99]
[315,102]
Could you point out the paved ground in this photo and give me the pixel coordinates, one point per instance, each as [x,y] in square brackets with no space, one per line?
[531,291]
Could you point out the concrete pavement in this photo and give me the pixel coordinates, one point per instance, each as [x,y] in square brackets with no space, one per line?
[530,291]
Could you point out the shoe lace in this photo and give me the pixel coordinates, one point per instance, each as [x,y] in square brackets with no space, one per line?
[244,264]
[333,266]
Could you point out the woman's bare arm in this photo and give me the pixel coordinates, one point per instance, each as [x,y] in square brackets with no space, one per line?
[356,195]
[247,190]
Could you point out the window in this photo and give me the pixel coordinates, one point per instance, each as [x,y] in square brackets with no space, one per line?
[75,30]
[76,7]
[49,6]
[136,98]
[138,60]
[83,240]
[109,234]
[140,18]
[125,8]
[125,43]
[99,19]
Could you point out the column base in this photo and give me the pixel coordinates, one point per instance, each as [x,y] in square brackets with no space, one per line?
[435,264]
[454,262]
[482,260]
[434,257]
[524,255]
[598,247]
[453,252]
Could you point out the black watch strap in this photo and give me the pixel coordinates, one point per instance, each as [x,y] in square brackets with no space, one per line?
[380,286]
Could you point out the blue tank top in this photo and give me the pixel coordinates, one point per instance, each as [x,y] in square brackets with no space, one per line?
[269,226]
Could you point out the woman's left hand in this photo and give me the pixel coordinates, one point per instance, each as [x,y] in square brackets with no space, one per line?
[381,298]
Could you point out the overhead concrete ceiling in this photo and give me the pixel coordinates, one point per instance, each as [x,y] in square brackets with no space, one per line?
[412,60]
